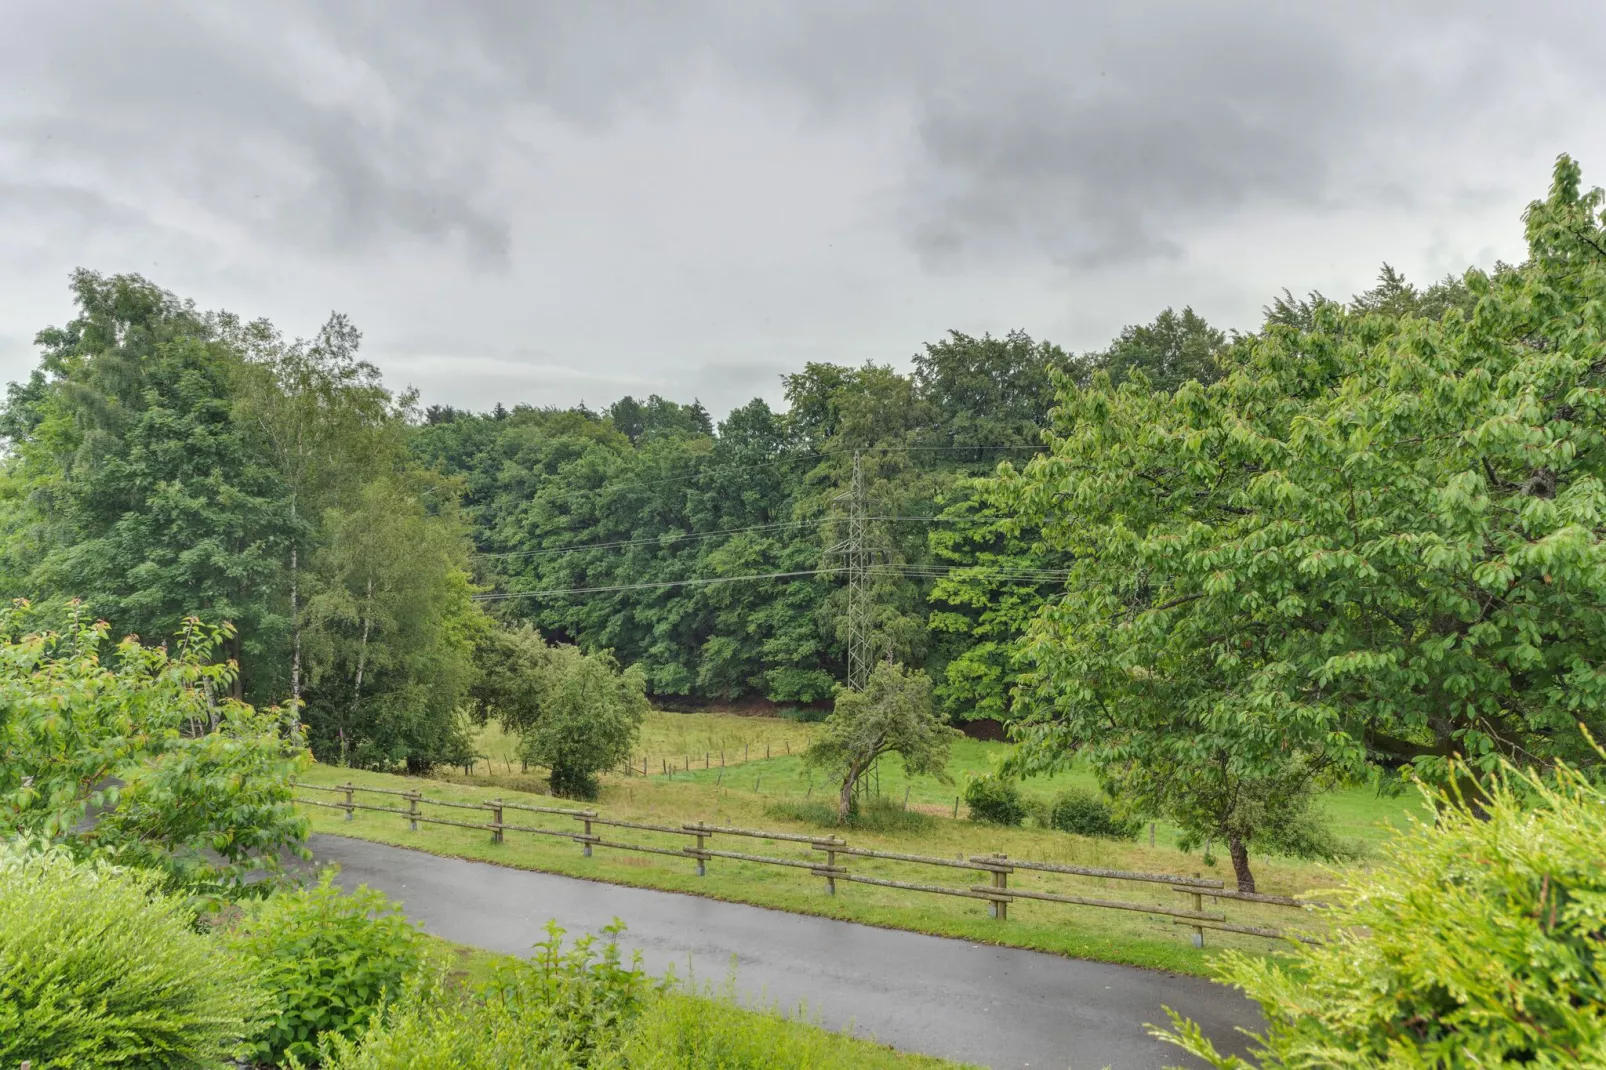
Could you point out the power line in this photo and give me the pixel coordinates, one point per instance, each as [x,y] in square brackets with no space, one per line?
[648,586]
[652,540]
[700,535]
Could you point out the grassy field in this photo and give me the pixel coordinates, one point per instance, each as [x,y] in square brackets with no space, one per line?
[1357,814]
[730,798]
[678,740]
[767,1027]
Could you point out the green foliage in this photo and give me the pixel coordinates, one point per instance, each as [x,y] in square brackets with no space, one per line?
[1374,540]
[892,714]
[561,1009]
[1088,814]
[135,758]
[135,487]
[98,968]
[1167,353]
[1478,943]
[328,959]
[586,713]
[995,801]
[391,626]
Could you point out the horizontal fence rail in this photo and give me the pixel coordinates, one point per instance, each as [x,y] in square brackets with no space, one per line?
[999,894]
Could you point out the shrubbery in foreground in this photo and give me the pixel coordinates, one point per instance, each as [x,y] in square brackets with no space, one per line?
[1479,943]
[328,959]
[99,969]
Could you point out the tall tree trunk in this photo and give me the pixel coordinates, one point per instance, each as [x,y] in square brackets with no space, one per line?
[1240,862]
[362,648]
[295,610]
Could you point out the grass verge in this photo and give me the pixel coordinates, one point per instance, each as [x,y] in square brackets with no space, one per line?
[1083,932]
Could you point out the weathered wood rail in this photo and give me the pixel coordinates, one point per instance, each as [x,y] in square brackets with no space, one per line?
[998,893]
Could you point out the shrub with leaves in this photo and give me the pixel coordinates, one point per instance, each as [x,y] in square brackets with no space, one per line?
[563,1008]
[99,968]
[1479,943]
[1087,814]
[328,958]
[138,757]
[995,801]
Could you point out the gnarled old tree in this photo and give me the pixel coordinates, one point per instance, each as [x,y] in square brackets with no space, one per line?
[1377,539]
[892,715]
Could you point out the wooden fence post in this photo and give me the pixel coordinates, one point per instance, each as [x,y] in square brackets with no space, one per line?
[702,863]
[830,863]
[1001,882]
[496,814]
[1198,908]
[412,809]
[587,851]
[351,809]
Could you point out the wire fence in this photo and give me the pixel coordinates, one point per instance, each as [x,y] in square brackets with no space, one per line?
[828,859]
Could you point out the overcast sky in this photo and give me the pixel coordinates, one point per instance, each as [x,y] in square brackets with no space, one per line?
[550,202]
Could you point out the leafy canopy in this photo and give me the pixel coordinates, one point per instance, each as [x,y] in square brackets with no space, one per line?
[1377,539]
[140,758]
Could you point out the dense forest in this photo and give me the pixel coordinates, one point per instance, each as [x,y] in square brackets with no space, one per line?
[164,461]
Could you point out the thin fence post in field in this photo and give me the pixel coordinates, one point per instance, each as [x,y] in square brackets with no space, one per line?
[643,765]
[587,845]
[746,749]
[906,789]
[1151,833]
[702,863]
[666,765]
[1001,882]
[956,808]
[412,809]
[351,808]
[496,814]
[722,757]
[830,863]
[1198,908]
[705,760]
[789,746]
[766,748]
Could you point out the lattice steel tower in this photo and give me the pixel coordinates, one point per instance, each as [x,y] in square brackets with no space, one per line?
[855,550]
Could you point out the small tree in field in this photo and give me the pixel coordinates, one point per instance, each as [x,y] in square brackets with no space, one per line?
[575,713]
[590,715]
[892,714]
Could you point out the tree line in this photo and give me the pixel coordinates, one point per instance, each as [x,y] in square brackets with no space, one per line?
[1227,570]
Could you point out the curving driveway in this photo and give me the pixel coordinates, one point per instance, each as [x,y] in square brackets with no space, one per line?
[993,1006]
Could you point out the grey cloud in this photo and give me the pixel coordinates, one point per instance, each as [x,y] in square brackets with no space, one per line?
[1089,133]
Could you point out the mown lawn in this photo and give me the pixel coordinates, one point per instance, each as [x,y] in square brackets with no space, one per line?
[730,798]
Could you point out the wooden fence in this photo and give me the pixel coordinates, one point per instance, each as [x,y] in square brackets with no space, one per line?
[591,829]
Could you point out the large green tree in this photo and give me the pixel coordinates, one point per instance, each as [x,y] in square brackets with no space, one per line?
[131,482]
[1378,539]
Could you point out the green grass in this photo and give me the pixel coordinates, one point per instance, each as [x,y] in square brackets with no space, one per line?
[725,1026]
[766,794]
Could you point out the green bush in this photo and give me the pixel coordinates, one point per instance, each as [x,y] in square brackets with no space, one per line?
[97,968]
[1478,943]
[1088,814]
[995,801]
[806,714]
[327,958]
[560,1009]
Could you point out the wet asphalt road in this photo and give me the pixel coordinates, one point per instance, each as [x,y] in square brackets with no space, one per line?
[992,1006]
